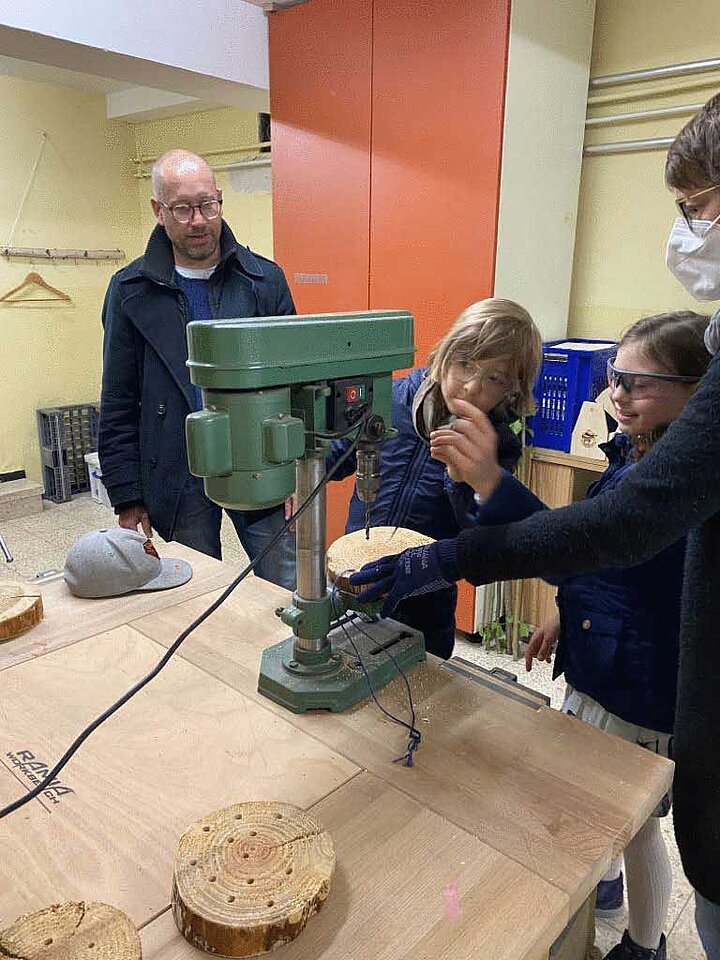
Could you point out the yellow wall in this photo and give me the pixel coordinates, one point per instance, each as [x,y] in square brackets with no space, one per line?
[625,212]
[85,195]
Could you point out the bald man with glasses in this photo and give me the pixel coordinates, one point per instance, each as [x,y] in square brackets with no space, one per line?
[193,269]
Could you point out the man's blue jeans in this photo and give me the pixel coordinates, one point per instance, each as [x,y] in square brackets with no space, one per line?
[707,918]
[197,525]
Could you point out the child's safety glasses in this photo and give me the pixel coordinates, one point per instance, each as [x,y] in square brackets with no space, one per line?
[465,370]
[638,384]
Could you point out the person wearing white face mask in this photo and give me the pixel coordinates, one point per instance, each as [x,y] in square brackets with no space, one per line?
[673,491]
[693,250]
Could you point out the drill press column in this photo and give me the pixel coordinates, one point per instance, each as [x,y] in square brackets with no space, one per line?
[310,549]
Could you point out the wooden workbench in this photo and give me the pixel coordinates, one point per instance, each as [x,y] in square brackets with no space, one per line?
[485,848]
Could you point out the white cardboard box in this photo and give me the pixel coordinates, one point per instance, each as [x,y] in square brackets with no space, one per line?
[97,487]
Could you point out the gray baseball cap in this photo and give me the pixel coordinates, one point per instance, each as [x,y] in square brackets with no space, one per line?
[108,563]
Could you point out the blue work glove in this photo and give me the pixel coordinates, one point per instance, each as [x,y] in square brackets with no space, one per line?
[408,574]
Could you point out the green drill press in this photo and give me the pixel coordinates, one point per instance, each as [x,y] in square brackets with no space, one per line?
[277,391]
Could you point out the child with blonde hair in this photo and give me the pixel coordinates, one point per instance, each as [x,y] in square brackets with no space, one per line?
[490,358]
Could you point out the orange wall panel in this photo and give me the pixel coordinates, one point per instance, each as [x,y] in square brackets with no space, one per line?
[437,125]
[387,142]
[321,70]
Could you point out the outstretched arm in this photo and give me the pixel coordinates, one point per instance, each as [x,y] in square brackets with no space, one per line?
[469,449]
[674,488]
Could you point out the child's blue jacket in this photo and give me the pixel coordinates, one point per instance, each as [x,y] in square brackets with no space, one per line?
[413,494]
[619,636]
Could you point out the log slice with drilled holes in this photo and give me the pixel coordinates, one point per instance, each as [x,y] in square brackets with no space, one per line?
[21,608]
[248,878]
[352,551]
[72,931]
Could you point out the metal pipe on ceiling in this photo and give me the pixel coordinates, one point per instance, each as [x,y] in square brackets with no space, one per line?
[655,73]
[263,160]
[628,146]
[686,110]
[704,86]
[248,148]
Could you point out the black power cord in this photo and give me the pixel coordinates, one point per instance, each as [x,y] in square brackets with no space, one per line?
[77,743]
[414,735]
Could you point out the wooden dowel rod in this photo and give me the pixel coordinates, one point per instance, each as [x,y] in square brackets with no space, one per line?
[49,253]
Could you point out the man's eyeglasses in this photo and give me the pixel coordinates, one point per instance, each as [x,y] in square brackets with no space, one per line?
[638,384]
[687,215]
[183,212]
[467,370]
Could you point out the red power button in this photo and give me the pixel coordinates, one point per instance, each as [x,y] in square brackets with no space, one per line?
[351,394]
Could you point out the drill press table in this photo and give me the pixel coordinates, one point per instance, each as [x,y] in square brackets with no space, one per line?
[486,848]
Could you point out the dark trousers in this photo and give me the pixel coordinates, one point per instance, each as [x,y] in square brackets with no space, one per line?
[197,525]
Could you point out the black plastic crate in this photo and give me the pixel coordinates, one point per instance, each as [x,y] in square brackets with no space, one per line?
[66,435]
[57,485]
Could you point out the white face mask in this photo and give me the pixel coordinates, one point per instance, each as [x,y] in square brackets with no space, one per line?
[695,260]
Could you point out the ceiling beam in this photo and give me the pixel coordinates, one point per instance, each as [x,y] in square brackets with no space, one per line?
[272,6]
[54,51]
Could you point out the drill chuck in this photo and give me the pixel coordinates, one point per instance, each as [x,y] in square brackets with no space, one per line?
[367,476]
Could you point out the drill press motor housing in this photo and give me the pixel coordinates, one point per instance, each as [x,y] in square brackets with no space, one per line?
[277,391]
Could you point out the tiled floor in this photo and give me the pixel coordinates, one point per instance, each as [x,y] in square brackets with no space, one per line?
[39,544]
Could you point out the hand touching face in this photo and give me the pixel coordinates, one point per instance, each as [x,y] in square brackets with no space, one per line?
[468,447]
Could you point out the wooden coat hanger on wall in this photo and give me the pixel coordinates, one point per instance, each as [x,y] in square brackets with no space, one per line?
[34,280]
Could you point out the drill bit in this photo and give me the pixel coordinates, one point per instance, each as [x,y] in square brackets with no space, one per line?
[367,521]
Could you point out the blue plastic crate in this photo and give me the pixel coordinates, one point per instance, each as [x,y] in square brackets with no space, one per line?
[572,371]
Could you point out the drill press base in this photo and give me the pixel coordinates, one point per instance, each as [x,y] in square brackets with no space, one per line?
[336,681]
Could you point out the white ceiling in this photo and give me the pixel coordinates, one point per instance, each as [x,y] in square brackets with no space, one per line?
[91,47]
[68,78]
[137,42]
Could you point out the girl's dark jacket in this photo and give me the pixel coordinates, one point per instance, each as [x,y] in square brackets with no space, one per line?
[620,627]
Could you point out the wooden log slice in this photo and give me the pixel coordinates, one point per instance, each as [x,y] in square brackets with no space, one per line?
[72,931]
[352,551]
[248,878]
[20,608]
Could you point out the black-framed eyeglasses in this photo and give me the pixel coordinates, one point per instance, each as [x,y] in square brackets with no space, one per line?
[183,212]
[682,207]
[637,383]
